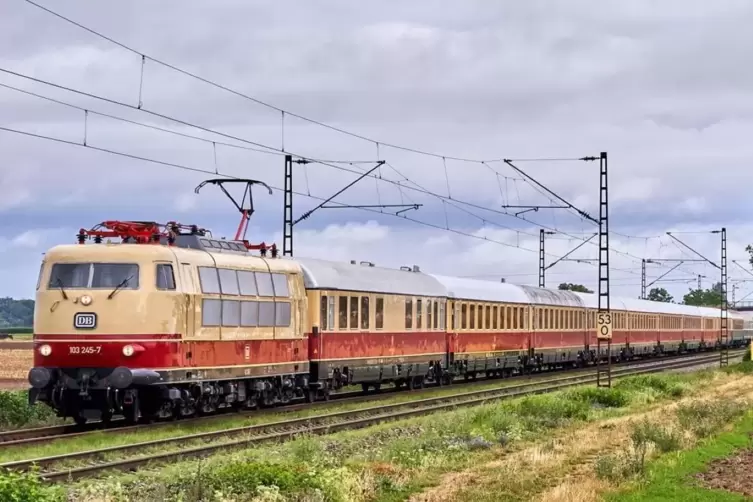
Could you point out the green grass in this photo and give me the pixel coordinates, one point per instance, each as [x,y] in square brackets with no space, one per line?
[670,477]
[386,462]
[104,439]
[13,330]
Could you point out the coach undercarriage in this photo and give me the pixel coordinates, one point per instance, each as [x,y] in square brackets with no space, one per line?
[89,395]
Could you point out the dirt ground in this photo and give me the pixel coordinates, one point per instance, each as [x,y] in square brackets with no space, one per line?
[14,366]
[561,469]
[731,474]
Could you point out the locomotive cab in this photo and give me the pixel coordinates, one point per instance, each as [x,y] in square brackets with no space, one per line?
[104,315]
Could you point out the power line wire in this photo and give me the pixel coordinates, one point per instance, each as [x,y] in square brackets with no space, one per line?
[205,171]
[145,56]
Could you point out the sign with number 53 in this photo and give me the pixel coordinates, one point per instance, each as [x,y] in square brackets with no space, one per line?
[604,325]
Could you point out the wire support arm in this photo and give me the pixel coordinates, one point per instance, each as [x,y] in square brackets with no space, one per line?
[567,204]
[403,207]
[564,257]
[693,250]
[329,199]
[663,275]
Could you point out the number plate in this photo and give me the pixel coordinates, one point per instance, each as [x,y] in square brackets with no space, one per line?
[604,326]
[88,350]
[85,320]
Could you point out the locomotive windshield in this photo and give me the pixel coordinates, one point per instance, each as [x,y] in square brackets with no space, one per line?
[94,275]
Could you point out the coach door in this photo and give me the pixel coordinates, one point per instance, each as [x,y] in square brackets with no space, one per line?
[189,293]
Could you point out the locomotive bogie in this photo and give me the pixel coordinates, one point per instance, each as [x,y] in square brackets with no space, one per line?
[163,331]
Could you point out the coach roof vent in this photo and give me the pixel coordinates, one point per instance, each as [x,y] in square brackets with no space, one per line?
[352,262]
[416,268]
[367,264]
[406,268]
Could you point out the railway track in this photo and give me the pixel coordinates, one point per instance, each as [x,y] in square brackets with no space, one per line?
[27,437]
[184,447]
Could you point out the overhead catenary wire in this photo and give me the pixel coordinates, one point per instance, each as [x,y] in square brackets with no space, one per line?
[271,150]
[275,188]
[144,57]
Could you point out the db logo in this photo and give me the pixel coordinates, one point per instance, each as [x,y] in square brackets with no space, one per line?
[85,320]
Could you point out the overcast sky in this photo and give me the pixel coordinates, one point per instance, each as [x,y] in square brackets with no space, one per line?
[665,88]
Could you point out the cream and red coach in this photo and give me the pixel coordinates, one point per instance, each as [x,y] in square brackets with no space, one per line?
[171,322]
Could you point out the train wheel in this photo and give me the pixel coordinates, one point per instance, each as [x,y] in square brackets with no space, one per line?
[309,395]
[447,379]
[131,413]
[365,388]
[106,417]
[79,420]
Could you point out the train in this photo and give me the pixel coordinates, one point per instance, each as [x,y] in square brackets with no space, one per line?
[150,321]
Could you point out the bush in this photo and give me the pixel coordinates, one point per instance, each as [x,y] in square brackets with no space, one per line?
[241,478]
[746,356]
[608,398]
[704,418]
[16,412]
[664,439]
[659,384]
[23,487]
[551,411]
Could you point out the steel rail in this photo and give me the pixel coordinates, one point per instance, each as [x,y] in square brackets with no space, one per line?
[25,437]
[320,424]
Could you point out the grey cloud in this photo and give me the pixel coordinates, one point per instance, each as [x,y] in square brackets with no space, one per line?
[661,87]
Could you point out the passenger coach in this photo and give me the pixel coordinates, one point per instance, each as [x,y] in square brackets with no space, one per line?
[171,322]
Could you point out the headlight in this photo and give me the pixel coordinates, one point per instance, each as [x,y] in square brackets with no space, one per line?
[86,300]
[45,350]
[129,350]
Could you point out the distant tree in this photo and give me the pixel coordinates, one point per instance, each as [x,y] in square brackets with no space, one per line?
[568,286]
[704,297]
[749,249]
[659,295]
[17,313]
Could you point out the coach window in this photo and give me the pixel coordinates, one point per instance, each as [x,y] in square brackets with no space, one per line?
[488,318]
[264,284]
[249,314]
[435,304]
[323,313]
[442,319]
[364,312]
[419,313]
[231,313]
[282,314]
[408,313]
[266,314]
[463,316]
[210,283]
[165,276]
[342,312]
[353,312]
[228,282]
[247,283]
[379,315]
[495,319]
[280,283]
[473,317]
[211,312]
[428,314]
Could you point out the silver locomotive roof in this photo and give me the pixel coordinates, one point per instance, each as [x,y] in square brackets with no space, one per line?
[324,274]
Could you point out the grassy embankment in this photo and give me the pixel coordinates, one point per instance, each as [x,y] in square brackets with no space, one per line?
[517,450]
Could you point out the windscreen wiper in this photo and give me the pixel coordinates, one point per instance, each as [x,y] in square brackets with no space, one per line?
[62,289]
[122,283]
